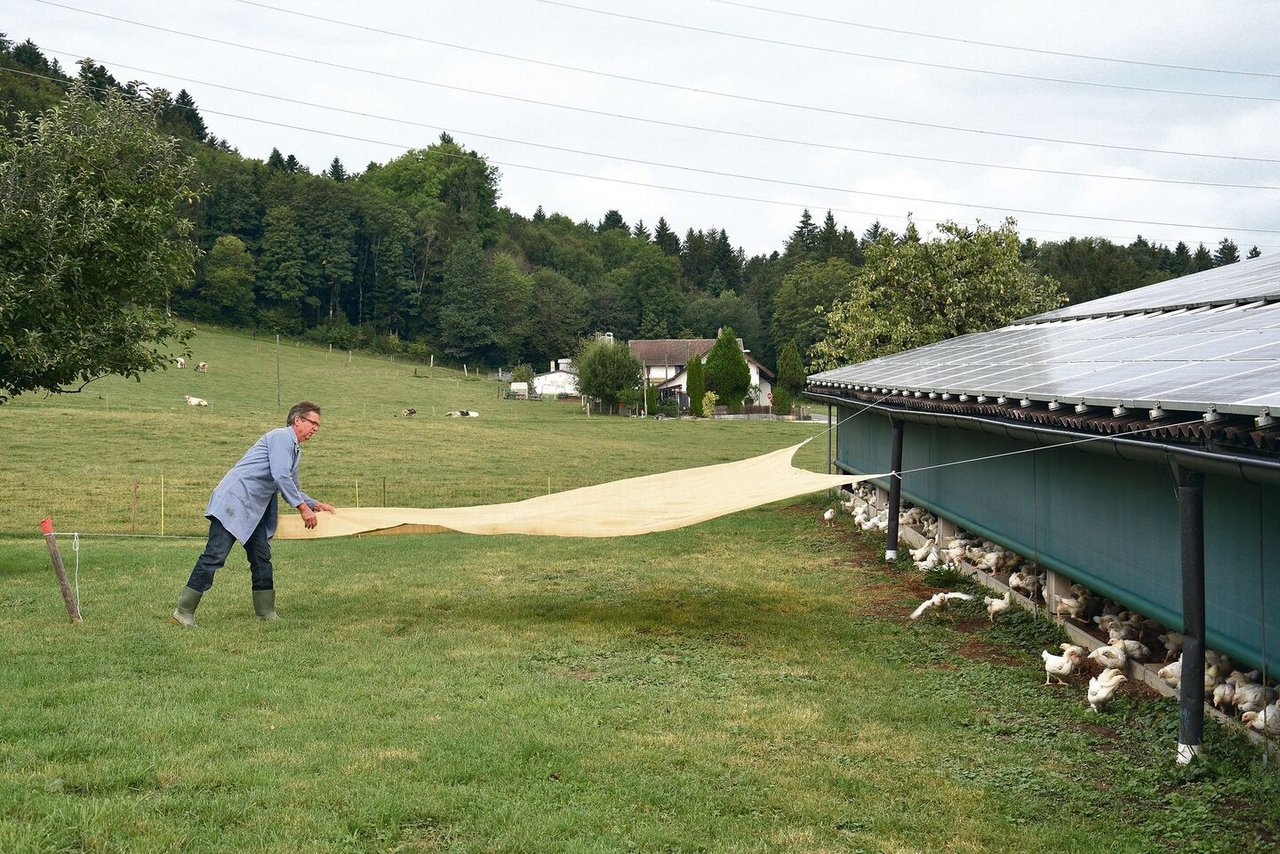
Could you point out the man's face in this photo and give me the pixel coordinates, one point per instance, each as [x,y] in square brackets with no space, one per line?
[306,425]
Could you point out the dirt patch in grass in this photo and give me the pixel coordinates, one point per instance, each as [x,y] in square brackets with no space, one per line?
[980,650]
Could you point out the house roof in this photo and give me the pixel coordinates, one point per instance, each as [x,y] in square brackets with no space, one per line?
[678,351]
[671,351]
[1208,343]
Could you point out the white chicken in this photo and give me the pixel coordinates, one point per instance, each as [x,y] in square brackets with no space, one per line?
[1058,666]
[1102,688]
[1252,697]
[996,606]
[1265,720]
[1069,606]
[1224,696]
[921,553]
[941,601]
[829,517]
[1171,674]
[1109,657]
[1134,649]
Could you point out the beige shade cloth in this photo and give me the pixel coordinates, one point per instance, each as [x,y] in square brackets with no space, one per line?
[622,508]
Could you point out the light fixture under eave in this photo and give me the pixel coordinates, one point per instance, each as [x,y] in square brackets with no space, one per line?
[982,398]
[1119,411]
[1264,420]
[1025,403]
[1054,406]
[1002,400]
[946,395]
[1157,413]
[1212,415]
[1081,408]
[964,398]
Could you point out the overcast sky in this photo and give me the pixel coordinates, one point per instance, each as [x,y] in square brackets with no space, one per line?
[739,115]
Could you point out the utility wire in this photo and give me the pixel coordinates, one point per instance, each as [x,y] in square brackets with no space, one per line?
[856,54]
[1041,51]
[798,142]
[734,197]
[823,110]
[569,173]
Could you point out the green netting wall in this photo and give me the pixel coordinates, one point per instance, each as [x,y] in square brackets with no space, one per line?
[1108,523]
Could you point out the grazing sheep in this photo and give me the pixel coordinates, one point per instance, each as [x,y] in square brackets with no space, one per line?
[202,367]
[405,413]
[196,401]
[180,362]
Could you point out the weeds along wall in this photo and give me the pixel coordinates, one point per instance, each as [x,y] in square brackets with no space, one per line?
[1108,523]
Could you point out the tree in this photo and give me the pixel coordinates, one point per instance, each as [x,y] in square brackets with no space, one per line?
[697,384]
[1254,253]
[607,371]
[808,290]
[612,220]
[665,238]
[469,309]
[911,294]
[280,270]
[336,170]
[1228,253]
[227,296]
[727,372]
[790,377]
[1201,259]
[91,243]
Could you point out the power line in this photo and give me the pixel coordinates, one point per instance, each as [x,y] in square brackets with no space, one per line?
[828,146]
[1041,51]
[588,111]
[509,164]
[858,55]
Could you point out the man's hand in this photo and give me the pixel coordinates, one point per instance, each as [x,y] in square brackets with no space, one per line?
[328,508]
[309,519]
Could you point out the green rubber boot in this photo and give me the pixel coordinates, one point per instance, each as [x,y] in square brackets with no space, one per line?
[185,614]
[264,604]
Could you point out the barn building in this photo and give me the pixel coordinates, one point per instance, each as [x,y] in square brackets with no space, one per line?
[1128,444]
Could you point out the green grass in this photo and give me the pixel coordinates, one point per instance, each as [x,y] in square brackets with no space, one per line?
[749,684]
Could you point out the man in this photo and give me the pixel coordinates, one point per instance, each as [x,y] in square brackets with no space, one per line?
[243,507]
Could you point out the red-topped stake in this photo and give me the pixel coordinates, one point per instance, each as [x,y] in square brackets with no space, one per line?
[46,526]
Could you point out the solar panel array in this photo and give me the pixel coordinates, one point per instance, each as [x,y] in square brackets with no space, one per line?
[1244,281]
[1208,341]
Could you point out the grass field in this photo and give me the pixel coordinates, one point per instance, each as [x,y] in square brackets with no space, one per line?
[749,684]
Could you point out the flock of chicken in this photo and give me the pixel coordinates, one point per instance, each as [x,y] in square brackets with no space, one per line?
[1130,636]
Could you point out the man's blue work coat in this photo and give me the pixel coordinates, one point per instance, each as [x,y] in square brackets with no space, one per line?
[249,490]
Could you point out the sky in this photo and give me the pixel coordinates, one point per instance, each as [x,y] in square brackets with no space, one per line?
[1091,118]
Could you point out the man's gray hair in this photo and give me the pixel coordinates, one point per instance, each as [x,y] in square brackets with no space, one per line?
[299,409]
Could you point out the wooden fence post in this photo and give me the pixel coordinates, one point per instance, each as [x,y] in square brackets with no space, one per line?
[46,526]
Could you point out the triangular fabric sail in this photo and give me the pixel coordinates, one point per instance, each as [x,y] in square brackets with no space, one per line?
[621,508]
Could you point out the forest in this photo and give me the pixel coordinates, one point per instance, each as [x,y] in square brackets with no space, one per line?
[417,255]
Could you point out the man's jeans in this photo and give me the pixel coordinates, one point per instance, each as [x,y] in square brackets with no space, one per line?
[257,547]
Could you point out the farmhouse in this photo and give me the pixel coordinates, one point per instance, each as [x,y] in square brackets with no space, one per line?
[666,365]
[1155,477]
[560,379]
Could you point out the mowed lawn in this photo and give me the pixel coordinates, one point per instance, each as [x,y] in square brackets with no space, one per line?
[748,684]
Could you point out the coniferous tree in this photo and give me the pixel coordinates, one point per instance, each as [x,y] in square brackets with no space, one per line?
[728,374]
[188,115]
[612,220]
[665,238]
[1201,260]
[1253,253]
[1228,253]
[275,161]
[639,232]
[336,171]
